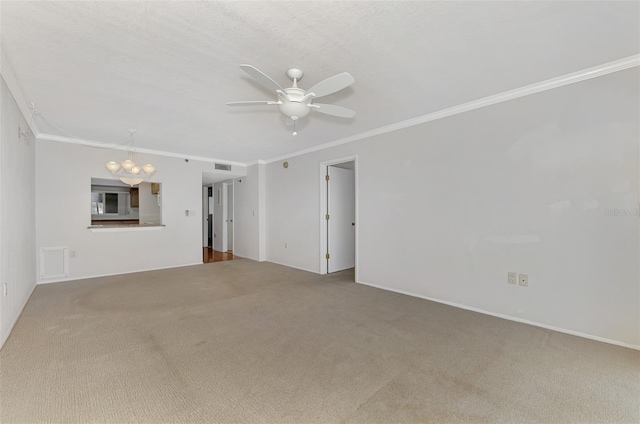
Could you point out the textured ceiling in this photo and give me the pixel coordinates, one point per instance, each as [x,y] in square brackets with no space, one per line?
[167,68]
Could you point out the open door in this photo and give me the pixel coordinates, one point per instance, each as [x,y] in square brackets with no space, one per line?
[230,217]
[341,217]
[218,225]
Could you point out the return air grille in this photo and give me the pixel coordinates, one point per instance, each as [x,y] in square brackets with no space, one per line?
[54,262]
[223,167]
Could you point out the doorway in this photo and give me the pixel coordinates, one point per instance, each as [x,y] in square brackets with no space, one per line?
[209,216]
[338,236]
[218,218]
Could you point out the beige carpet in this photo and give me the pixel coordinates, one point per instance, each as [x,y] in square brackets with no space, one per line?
[242,341]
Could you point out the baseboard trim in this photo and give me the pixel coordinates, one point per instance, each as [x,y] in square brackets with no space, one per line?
[291,266]
[116,273]
[15,320]
[507,317]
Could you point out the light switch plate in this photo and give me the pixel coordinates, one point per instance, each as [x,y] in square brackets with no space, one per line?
[524,280]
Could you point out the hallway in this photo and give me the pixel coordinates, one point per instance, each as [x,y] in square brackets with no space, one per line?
[210,255]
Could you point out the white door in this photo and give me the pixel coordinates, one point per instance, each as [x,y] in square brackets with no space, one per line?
[225,219]
[230,218]
[341,208]
[219,217]
[205,216]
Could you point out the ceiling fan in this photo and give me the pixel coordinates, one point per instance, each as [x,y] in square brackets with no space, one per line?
[296,103]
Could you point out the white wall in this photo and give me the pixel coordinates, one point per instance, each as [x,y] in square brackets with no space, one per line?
[63,180]
[447,208]
[17,213]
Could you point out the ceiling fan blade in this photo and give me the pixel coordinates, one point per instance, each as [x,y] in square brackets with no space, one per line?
[262,78]
[252,103]
[331,85]
[334,110]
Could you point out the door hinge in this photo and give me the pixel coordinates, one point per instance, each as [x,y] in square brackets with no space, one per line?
[326,217]
[327,256]
[326,177]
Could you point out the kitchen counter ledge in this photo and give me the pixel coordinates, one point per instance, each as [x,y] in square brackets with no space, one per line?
[124,227]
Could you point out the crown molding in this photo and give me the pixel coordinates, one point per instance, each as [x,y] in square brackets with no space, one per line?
[583,75]
[16,91]
[101,145]
[572,78]
[257,162]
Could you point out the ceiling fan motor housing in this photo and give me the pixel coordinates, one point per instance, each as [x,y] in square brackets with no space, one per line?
[294,107]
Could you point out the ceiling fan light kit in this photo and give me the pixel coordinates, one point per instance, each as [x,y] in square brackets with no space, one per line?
[296,103]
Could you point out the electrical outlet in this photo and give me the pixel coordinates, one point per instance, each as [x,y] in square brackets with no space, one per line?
[285,245]
[5,289]
[512,277]
[73,253]
[524,280]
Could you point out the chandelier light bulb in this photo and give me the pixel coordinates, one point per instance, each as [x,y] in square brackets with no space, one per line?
[127,164]
[112,166]
[135,170]
[149,169]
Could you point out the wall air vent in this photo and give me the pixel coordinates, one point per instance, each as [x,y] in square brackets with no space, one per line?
[223,167]
[54,262]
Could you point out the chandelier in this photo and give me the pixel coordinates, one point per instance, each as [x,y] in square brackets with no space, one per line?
[128,171]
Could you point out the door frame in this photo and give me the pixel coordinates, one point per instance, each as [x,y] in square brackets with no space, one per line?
[323,209]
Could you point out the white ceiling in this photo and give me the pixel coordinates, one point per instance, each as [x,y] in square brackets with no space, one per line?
[167,68]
